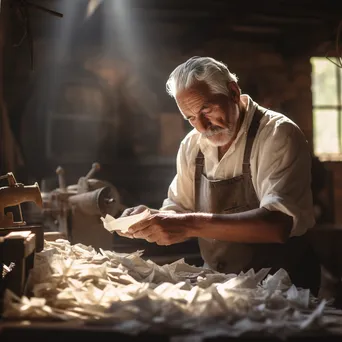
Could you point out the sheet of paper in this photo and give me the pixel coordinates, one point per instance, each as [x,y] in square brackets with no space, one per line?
[123,223]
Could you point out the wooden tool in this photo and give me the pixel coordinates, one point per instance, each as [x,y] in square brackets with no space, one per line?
[13,195]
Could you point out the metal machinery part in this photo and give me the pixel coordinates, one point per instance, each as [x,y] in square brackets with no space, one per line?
[76,209]
[102,197]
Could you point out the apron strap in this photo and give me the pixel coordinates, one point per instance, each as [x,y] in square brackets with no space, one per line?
[198,176]
[252,131]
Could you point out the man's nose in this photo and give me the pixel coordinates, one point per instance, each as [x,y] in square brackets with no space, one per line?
[203,123]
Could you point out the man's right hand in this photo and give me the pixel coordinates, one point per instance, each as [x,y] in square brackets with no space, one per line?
[134,210]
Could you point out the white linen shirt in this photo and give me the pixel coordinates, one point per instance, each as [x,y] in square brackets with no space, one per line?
[280,167]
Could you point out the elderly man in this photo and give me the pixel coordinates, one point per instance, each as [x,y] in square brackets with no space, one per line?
[243,180]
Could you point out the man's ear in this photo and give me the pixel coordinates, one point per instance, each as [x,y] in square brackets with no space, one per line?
[234,91]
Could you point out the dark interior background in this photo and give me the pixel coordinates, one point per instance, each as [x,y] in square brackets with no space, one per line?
[90,86]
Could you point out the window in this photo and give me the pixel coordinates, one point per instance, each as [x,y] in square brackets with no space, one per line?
[327,108]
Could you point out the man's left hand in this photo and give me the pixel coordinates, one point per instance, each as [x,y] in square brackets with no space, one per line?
[162,228]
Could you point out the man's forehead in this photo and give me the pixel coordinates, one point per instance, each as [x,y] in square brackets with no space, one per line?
[196,94]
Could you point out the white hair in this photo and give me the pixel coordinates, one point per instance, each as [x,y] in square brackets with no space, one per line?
[214,73]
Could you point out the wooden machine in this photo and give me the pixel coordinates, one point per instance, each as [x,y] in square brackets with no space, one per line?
[75,210]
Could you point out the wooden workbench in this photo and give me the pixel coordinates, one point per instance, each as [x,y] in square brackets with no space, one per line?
[326,240]
[77,331]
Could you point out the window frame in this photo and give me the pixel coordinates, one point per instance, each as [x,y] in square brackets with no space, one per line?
[338,107]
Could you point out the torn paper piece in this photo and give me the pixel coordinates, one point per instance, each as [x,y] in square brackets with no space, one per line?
[123,223]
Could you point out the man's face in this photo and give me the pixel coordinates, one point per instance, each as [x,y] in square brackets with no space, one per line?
[215,116]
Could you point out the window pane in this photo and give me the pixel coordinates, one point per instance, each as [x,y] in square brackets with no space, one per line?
[326,131]
[324,85]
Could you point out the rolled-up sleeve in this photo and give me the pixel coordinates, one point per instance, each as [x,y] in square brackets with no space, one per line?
[283,180]
[181,190]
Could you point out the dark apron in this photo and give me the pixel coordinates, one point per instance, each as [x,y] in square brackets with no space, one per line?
[236,195]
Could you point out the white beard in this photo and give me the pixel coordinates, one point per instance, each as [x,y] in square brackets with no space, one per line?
[218,138]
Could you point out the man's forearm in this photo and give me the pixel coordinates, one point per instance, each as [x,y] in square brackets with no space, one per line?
[253,226]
